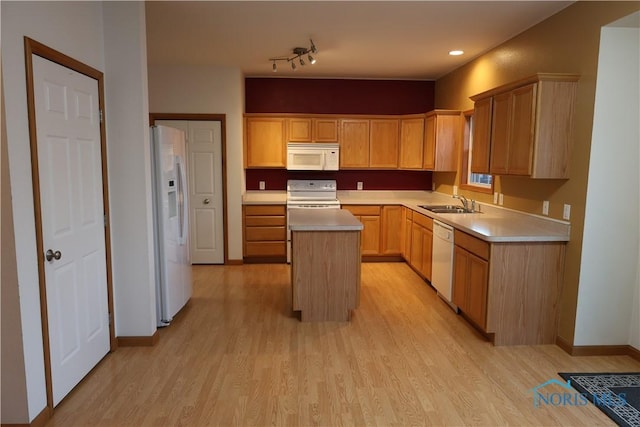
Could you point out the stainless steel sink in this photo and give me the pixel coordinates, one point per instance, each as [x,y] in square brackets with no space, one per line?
[446,209]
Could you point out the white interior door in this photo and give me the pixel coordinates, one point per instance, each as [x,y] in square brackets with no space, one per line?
[70,178]
[204,154]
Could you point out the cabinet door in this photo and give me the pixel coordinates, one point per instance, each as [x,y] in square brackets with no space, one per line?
[299,129]
[406,251]
[460,274]
[354,143]
[427,251]
[265,143]
[325,130]
[370,235]
[429,158]
[384,143]
[522,130]
[416,247]
[477,282]
[391,225]
[500,125]
[481,136]
[411,143]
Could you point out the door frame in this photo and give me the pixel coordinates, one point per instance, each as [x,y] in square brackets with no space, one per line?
[222,118]
[32,47]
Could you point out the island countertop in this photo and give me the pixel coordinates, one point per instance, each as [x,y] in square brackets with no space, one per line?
[323,220]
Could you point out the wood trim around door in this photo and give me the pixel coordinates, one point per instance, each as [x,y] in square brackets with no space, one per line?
[222,118]
[32,47]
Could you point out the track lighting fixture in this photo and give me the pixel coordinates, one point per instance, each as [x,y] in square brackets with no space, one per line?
[297,53]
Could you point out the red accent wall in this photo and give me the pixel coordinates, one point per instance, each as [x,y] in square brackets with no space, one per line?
[338,96]
[276,179]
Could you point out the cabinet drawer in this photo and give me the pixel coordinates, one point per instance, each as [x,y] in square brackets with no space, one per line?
[472,244]
[265,233]
[264,209]
[363,209]
[423,220]
[265,249]
[264,221]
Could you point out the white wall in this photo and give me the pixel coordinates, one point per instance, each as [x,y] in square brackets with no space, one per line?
[51,24]
[129,165]
[608,290]
[208,90]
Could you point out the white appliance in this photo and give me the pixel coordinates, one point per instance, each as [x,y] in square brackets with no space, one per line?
[313,156]
[170,209]
[310,194]
[442,261]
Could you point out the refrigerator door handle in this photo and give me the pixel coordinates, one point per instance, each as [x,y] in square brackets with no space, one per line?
[182,205]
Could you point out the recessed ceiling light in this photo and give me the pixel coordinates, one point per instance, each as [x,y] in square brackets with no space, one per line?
[456,52]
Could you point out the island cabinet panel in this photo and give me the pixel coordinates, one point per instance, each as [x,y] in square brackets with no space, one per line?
[265,144]
[531,126]
[354,143]
[265,233]
[441,139]
[328,290]
[411,143]
[470,281]
[384,143]
[481,135]
[392,236]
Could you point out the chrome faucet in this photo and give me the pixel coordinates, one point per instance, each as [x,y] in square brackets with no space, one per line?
[465,202]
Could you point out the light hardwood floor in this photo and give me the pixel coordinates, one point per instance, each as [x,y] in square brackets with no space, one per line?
[237,355]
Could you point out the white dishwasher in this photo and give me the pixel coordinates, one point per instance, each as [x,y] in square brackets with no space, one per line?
[442,261]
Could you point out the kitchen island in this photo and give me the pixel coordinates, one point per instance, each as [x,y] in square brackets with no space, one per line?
[325,263]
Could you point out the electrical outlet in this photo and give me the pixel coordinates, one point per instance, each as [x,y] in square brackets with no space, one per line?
[359,185]
[501,199]
[262,185]
[495,198]
[566,212]
[455,190]
[545,207]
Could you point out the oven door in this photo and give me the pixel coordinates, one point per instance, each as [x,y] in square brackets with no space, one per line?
[303,205]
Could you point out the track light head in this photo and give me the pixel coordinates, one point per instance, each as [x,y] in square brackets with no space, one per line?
[293,65]
[311,59]
[301,61]
[275,67]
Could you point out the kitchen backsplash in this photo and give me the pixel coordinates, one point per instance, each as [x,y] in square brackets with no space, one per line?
[276,179]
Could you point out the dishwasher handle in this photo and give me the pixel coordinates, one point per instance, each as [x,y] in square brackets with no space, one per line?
[442,231]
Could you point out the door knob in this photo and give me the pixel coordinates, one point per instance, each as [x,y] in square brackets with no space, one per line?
[50,255]
[206,201]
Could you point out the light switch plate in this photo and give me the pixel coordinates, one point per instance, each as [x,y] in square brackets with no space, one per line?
[545,207]
[501,199]
[566,212]
[359,185]
[495,198]
[262,185]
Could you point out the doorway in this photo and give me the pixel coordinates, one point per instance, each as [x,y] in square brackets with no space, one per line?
[205,135]
[68,156]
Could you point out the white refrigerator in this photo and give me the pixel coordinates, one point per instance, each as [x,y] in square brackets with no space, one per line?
[171,224]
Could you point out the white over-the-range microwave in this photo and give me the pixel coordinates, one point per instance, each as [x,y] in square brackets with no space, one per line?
[313,156]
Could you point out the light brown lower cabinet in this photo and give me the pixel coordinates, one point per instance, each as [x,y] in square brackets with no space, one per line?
[390,229]
[510,290]
[420,253]
[265,233]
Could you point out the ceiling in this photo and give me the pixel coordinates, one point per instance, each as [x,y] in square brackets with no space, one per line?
[355,39]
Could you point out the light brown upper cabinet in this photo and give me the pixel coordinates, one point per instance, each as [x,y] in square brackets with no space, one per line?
[532,126]
[442,133]
[265,145]
[411,142]
[354,143]
[384,143]
[481,135]
[311,129]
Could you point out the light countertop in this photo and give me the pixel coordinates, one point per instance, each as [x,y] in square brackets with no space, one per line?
[323,220]
[493,224]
